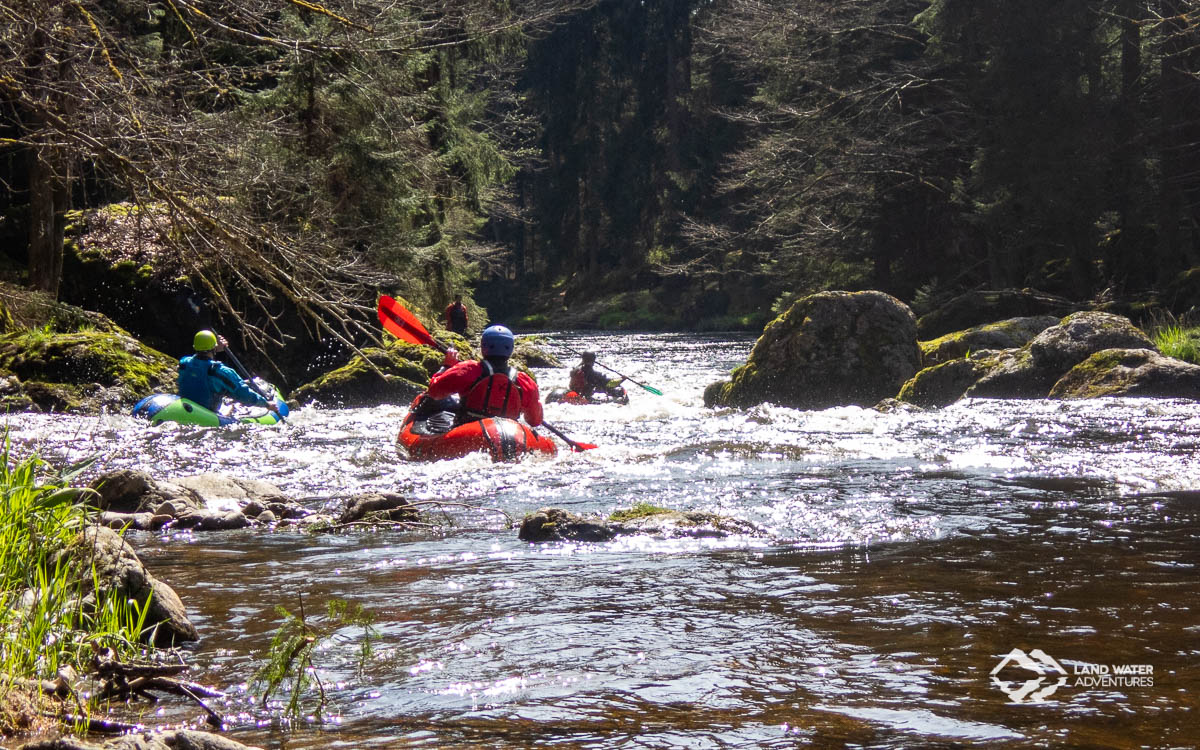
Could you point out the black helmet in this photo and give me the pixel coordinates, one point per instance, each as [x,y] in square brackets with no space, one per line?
[589,356]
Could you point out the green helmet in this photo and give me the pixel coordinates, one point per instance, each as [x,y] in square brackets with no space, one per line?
[205,341]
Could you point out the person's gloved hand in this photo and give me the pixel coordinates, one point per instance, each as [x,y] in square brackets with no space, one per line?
[272,406]
[451,358]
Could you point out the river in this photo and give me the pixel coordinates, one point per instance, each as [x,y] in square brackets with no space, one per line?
[907,557]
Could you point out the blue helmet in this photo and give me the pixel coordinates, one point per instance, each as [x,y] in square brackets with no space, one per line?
[497,341]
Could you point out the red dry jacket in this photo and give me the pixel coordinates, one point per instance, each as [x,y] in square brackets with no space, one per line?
[483,390]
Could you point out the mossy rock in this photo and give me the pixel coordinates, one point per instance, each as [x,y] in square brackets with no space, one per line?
[1082,334]
[1129,372]
[85,370]
[531,352]
[400,371]
[940,385]
[1006,334]
[980,307]
[828,349]
[13,397]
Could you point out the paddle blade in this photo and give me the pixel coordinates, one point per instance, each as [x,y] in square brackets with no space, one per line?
[402,324]
[575,445]
[655,391]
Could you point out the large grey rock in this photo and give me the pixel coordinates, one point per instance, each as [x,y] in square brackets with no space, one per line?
[942,384]
[1031,371]
[1129,372]
[130,491]
[1081,335]
[119,572]
[829,349]
[1006,334]
[983,306]
[221,489]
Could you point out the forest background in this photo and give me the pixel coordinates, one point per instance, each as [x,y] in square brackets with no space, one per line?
[609,163]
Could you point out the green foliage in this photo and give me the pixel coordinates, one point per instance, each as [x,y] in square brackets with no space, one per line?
[290,656]
[1180,342]
[45,622]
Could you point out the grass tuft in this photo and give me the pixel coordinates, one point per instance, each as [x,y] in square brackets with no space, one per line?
[46,625]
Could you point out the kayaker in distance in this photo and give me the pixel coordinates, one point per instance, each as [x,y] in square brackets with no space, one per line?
[586,381]
[206,381]
[456,316]
[488,387]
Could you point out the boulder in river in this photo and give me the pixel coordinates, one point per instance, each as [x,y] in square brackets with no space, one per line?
[393,374]
[1005,334]
[120,573]
[1031,371]
[558,525]
[941,384]
[176,739]
[205,502]
[983,306]
[381,506]
[1129,372]
[131,491]
[828,349]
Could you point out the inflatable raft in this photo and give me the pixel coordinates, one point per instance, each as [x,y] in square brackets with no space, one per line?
[168,407]
[431,437]
[615,395]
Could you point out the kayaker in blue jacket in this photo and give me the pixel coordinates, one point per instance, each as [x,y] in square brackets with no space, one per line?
[206,381]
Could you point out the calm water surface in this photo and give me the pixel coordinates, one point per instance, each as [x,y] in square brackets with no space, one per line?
[906,556]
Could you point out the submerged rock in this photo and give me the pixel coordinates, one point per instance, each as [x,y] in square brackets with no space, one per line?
[829,349]
[558,525]
[205,502]
[177,739]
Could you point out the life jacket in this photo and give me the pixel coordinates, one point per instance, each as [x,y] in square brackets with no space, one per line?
[495,394]
[578,381]
[194,383]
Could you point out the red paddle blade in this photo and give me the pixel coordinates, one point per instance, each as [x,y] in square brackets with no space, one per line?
[579,447]
[402,324]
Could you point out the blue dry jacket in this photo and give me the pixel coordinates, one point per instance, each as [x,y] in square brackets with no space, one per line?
[206,381]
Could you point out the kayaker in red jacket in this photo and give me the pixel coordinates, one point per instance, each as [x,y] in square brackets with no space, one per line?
[489,387]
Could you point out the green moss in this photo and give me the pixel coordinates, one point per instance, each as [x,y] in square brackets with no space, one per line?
[86,356]
[639,510]
[405,372]
[1103,374]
